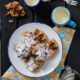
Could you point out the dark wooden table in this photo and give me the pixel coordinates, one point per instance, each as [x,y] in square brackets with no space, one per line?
[41,14]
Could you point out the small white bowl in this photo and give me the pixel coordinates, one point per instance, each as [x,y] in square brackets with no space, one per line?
[19,65]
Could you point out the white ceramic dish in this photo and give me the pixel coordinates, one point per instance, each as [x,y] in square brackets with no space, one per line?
[19,65]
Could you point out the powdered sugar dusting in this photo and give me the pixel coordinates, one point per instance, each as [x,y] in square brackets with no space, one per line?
[31,50]
[31,64]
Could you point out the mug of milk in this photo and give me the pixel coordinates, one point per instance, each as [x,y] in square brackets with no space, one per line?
[61,16]
[32,3]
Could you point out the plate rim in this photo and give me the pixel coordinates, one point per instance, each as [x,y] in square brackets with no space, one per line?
[11,61]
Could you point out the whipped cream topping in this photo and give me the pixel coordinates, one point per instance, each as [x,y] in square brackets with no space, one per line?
[41,53]
[24,51]
[20,47]
[28,40]
[24,46]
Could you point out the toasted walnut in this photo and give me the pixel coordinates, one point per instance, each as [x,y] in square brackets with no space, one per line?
[13,13]
[14,4]
[11,21]
[15,9]
[26,33]
[19,8]
[22,13]
[8,6]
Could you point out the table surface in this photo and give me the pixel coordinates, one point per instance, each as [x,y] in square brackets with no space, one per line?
[39,14]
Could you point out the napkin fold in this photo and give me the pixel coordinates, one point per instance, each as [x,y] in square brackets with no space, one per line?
[71,2]
[66,35]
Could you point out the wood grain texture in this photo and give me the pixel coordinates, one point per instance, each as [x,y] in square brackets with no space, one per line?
[73,57]
[28,17]
[43,11]
[7,30]
[53,5]
[41,14]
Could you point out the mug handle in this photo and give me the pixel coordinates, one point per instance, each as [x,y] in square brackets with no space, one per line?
[72,24]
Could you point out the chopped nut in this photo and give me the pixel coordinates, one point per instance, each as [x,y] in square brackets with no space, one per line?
[19,8]
[15,14]
[26,33]
[11,21]
[22,13]
[14,4]
[12,11]
[8,6]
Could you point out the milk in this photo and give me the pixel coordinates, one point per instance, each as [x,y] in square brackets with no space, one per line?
[60,15]
[32,2]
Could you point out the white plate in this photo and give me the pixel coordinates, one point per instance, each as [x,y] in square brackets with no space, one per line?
[19,65]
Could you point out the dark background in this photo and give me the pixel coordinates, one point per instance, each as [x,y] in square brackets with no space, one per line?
[38,14]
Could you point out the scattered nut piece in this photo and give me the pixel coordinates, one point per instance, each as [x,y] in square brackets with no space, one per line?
[11,21]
